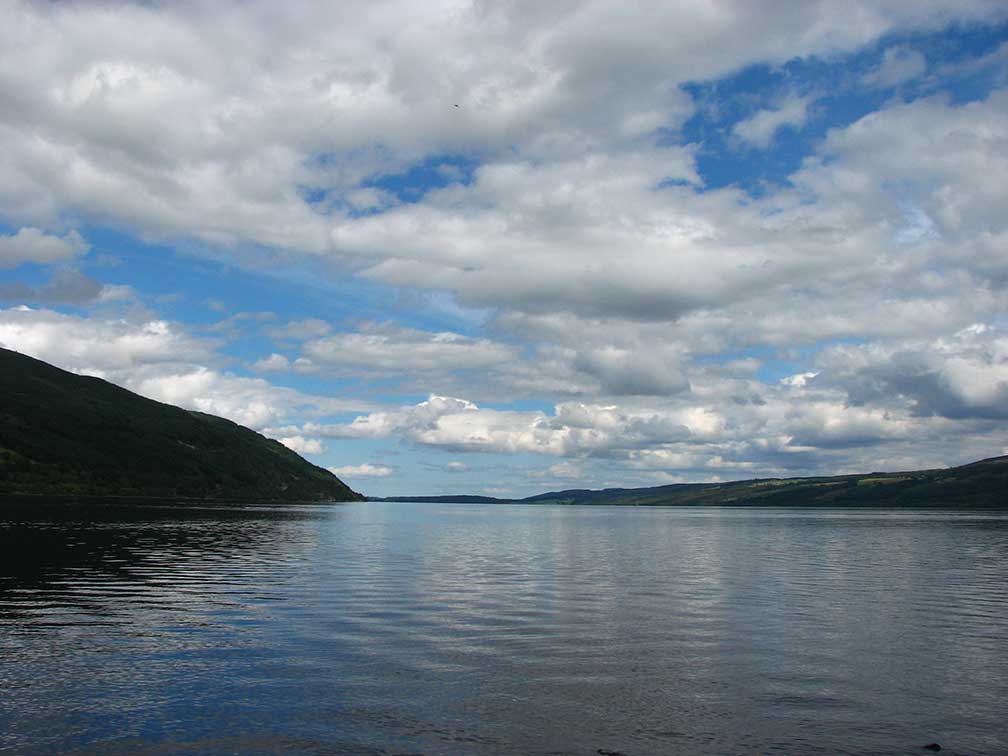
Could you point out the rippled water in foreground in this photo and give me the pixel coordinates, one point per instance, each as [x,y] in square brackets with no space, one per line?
[456,629]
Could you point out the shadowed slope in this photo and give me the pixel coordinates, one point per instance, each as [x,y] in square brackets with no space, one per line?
[62,433]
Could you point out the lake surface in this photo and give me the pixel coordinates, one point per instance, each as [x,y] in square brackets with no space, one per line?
[384,628]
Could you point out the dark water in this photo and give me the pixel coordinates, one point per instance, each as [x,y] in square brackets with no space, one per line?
[455,629]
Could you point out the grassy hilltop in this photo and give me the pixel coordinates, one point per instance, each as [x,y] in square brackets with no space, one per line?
[62,433]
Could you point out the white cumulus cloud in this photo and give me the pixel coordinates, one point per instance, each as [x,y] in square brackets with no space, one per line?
[760,128]
[365,470]
[160,360]
[302,445]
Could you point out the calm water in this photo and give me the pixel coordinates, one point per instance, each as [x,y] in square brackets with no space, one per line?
[457,629]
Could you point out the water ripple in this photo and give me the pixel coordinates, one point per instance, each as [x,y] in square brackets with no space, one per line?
[431,629]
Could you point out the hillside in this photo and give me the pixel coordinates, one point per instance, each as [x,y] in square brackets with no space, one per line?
[62,433]
[981,484]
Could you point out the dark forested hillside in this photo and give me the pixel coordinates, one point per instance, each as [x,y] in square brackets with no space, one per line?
[62,433]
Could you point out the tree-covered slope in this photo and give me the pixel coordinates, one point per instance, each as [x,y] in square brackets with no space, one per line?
[980,484]
[62,433]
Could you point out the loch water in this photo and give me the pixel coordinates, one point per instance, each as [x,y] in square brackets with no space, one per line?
[406,628]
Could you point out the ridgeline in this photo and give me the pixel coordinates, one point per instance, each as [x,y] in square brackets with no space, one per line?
[982,485]
[66,434]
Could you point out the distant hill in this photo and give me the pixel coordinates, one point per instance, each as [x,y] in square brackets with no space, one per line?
[981,484]
[459,499]
[66,434]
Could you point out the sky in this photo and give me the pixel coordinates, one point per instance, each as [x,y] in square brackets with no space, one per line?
[510,247]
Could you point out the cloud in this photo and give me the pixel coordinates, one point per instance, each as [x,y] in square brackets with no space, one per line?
[273,363]
[815,431]
[899,64]
[251,402]
[160,360]
[566,208]
[958,377]
[760,129]
[903,400]
[605,244]
[387,347]
[299,330]
[302,445]
[278,363]
[365,470]
[461,425]
[32,245]
[677,324]
[826,424]
[875,168]
[799,380]
[93,131]
[566,470]
[623,371]
[240,323]
[65,287]
[98,345]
